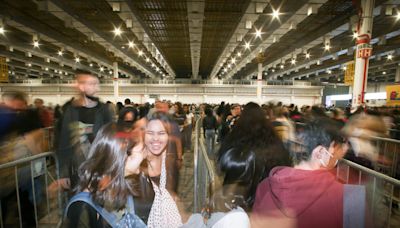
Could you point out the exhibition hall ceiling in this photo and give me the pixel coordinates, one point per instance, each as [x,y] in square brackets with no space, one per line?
[309,40]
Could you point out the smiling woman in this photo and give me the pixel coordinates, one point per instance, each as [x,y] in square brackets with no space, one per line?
[161,170]
[156,137]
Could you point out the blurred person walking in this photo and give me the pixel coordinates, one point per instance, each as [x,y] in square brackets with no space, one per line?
[210,126]
[308,194]
[81,120]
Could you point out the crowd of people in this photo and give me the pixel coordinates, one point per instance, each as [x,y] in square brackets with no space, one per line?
[119,164]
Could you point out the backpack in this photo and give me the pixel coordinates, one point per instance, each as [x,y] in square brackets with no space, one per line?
[128,220]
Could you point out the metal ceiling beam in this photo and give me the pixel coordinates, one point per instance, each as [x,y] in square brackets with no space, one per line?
[18,67]
[31,26]
[343,59]
[46,55]
[65,12]
[290,24]
[34,61]
[133,23]
[241,30]
[324,29]
[195,10]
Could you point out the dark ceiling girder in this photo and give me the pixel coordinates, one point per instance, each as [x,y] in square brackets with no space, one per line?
[377,49]
[15,15]
[88,24]
[145,28]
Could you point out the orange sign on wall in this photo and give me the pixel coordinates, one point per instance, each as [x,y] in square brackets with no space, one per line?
[3,69]
[349,73]
[393,95]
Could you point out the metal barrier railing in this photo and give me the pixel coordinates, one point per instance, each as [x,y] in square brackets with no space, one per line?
[388,156]
[204,176]
[382,190]
[28,175]
[48,138]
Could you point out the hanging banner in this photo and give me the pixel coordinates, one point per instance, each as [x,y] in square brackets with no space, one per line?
[3,69]
[349,73]
[393,95]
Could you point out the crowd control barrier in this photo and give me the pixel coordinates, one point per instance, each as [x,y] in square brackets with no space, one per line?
[204,175]
[382,191]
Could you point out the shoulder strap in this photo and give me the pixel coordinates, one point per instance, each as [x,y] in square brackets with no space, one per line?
[353,206]
[85,197]
[130,205]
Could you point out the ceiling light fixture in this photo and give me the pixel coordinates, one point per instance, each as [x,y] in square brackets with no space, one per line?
[275,13]
[247,45]
[140,53]
[239,54]
[91,64]
[398,16]
[36,43]
[327,47]
[258,33]
[110,72]
[147,59]
[344,68]
[329,71]
[293,61]
[131,44]
[60,53]
[233,60]
[384,72]
[390,57]
[101,69]
[2,30]
[355,35]
[77,59]
[282,66]
[117,31]
[308,55]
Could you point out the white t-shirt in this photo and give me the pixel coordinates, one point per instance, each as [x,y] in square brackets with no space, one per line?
[189,118]
[236,218]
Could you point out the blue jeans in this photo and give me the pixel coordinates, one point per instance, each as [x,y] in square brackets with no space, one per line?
[210,142]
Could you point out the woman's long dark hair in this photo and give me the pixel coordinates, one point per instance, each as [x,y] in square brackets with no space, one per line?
[250,151]
[103,173]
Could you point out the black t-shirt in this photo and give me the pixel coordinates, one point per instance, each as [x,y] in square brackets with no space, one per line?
[87,116]
[209,123]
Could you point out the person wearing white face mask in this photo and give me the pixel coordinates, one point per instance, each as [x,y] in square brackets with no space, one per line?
[308,194]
